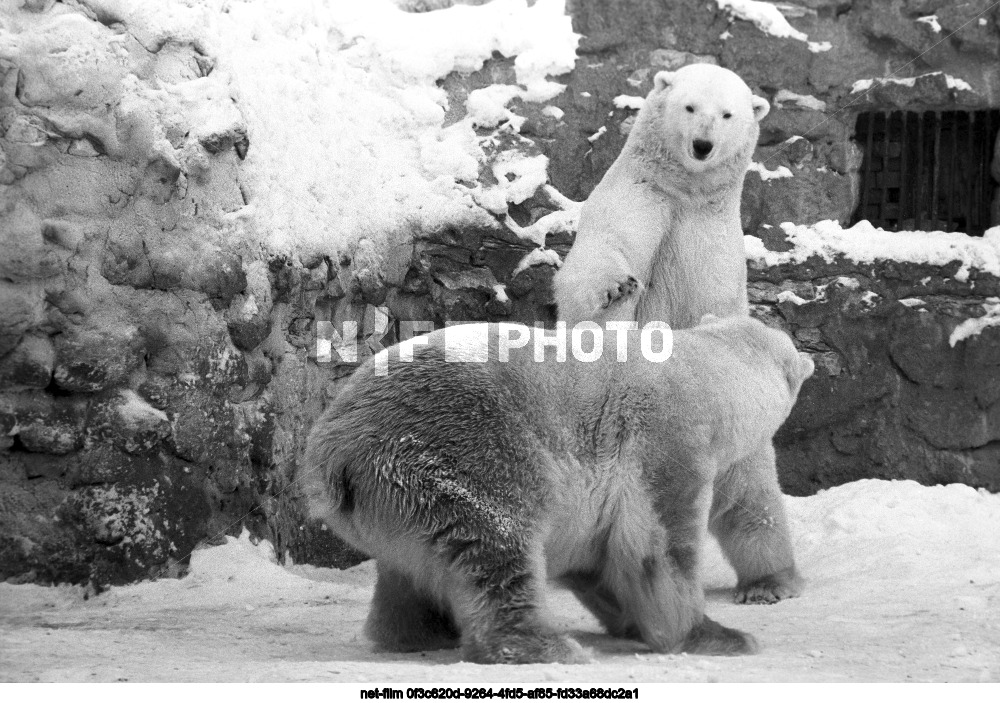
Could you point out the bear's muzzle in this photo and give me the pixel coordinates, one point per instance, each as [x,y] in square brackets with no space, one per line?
[702,148]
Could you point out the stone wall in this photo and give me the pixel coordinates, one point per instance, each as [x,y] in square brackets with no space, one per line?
[158,374]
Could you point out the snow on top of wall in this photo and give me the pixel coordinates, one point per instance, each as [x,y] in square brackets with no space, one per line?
[957,83]
[767,174]
[807,101]
[563,220]
[866,83]
[517,177]
[768,19]
[787,296]
[973,326]
[136,412]
[864,243]
[932,22]
[554,112]
[343,113]
[536,257]
[500,290]
[629,102]
[598,134]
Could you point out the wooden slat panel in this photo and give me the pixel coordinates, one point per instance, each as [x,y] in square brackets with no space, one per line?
[918,199]
[904,207]
[927,171]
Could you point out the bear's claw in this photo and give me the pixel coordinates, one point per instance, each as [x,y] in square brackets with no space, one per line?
[770,589]
[623,290]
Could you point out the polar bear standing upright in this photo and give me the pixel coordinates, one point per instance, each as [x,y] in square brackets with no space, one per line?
[660,234]
[660,239]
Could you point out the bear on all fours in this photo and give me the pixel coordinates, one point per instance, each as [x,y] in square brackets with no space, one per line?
[472,473]
[660,239]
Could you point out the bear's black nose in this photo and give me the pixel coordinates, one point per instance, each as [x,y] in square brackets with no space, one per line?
[702,149]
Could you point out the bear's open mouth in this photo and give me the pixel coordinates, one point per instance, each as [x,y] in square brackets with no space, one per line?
[702,149]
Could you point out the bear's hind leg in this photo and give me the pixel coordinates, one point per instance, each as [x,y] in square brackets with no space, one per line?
[662,607]
[659,586]
[602,603]
[500,617]
[401,619]
[664,600]
[748,518]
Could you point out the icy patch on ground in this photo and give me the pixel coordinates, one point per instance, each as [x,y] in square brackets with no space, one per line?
[864,243]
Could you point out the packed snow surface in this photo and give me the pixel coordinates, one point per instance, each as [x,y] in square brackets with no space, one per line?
[903,585]
[864,243]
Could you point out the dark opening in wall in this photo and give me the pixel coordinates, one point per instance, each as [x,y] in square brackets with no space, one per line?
[927,170]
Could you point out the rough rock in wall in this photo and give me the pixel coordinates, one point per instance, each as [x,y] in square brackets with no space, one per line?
[159,373]
[899,391]
[143,352]
[118,370]
[158,369]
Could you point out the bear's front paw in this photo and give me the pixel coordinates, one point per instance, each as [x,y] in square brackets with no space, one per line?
[623,289]
[770,589]
[709,637]
[526,648]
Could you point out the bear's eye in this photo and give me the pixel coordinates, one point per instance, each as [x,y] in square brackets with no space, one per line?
[726,115]
[690,108]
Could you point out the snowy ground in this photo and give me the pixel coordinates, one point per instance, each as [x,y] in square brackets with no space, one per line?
[904,584]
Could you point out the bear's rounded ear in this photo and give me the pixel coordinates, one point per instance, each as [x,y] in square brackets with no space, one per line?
[663,80]
[707,318]
[760,107]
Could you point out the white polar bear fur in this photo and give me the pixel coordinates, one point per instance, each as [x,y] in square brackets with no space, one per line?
[660,239]
[473,483]
[656,192]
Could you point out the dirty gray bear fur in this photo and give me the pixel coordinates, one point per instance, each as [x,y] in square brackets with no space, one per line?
[660,239]
[473,473]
